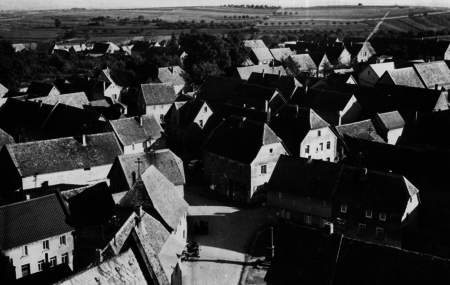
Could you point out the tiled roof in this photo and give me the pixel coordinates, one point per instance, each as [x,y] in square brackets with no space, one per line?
[245,72]
[67,88]
[164,160]
[158,93]
[155,191]
[262,54]
[254,92]
[5,138]
[321,99]
[78,100]
[292,124]
[129,131]
[281,54]
[433,47]
[295,175]
[30,221]
[392,120]
[39,89]
[255,44]
[240,139]
[218,88]
[172,75]
[285,84]
[363,130]
[405,76]
[64,154]
[381,68]
[303,62]
[436,72]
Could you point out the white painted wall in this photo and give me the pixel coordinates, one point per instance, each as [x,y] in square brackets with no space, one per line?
[394,135]
[203,115]
[180,233]
[157,110]
[315,151]
[139,147]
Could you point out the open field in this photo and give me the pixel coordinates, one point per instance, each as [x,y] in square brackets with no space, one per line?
[123,24]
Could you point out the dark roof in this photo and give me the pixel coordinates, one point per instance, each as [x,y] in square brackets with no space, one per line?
[433,47]
[431,73]
[296,176]
[317,57]
[292,124]
[333,52]
[98,85]
[254,92]
[217,88]
[129,131]
[240,139]
[392,120]
[369,263]
[245,72]
[170,165]
[48,276]
[285,84]
[39,89]
[172,75]
[364,130]
[158,93]
[154,189]
[189,111]
[303,256]
[64,154]
[142,46]
[67,88]
[355,48]
[100,48]
[321,99]
[90,205]
[30,221]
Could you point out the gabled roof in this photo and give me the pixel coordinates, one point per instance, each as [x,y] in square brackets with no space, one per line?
[78,100]
[254,92]
[99,86]
[154,191]
[262,54]
[129,131]
[285,84]
[317,57]
[433,47]
[292,124]
[245,72]
[392,120]
[240,139]
[254,44]
[363,130]
[381,68]
[64,154]
[281,54]
[303,61]
[333,52]
[67,88]
[172,75]
[321,99]
[31,221]
[170,165]
[355,48]
[142,46]
[189,111]
[5,138]
[432,73]
[158,93]
[404,76]
[39,89]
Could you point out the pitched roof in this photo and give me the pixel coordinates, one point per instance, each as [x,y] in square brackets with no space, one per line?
[129,131]
[245,72]
[39,89]
[321,99]
[240,139]
[392,120]
[333,52]
[142,46]
[285,84]
[156,191]
[170,165]
[172,75]
[217,88]
[67,88]
[98,85]
[433,47]
[78,100]
[432,73]
[158,93]
[64,154]
[262,54]
[381,68]
[364,130]
[303,62]
[254,92]
[5,138]
[404,76]
[281,54]
[189,111]
[254,44]
[292,124]
[30,221]
[317,57]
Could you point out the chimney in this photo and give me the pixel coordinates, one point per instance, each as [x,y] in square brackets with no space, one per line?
[416,118]
[266,108]
[270,248]
[268,116]
[133,177]
[138,211]
[263,74]
[98,255]
[140,121]
[436,86]
[84,140]
[306,89]
[339,113]
[279,73]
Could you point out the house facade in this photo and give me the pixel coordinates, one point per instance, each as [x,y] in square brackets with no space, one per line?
[156,99]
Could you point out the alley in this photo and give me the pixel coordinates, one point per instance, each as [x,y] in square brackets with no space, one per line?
[222,254]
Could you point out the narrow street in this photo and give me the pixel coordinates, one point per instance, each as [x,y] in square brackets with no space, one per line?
[223,249]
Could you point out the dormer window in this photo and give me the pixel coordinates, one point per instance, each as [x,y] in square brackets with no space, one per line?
[343,208]
[205,109]
[368,213]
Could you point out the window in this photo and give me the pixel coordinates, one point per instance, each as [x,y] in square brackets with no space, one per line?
[380,233]
[271,150]
[45,245]
[328,145]
[205,109]
[221,182]
[321,146]
[383,216]
[200,123]
[132,147]
[362,229]
[41,265]
[62,240]
[288,215]
[307,149]
[318,133]
[144,144]
[161,117]
[308,219]
[280,195]
[308,201]
[24,250]
[241,169]
[162,106]
[53,261]
[213,178]
[368,213]
[263,169]
[213,159]
[222,161]
[344,208]
[324,204]
[25,270]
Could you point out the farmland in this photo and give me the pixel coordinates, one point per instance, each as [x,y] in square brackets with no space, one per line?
[124,24]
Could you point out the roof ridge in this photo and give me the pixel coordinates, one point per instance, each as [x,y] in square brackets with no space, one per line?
[30,200]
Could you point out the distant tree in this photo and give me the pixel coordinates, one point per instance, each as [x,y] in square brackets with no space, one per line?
[359,4]
[285,13]
[225,16]
[425,14]
[58,23]
[140,18]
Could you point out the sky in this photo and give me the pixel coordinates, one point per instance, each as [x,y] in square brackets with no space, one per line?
[110,4]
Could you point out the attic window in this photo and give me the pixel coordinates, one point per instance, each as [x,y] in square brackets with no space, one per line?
[206,109]
[319,133]
[271,150]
